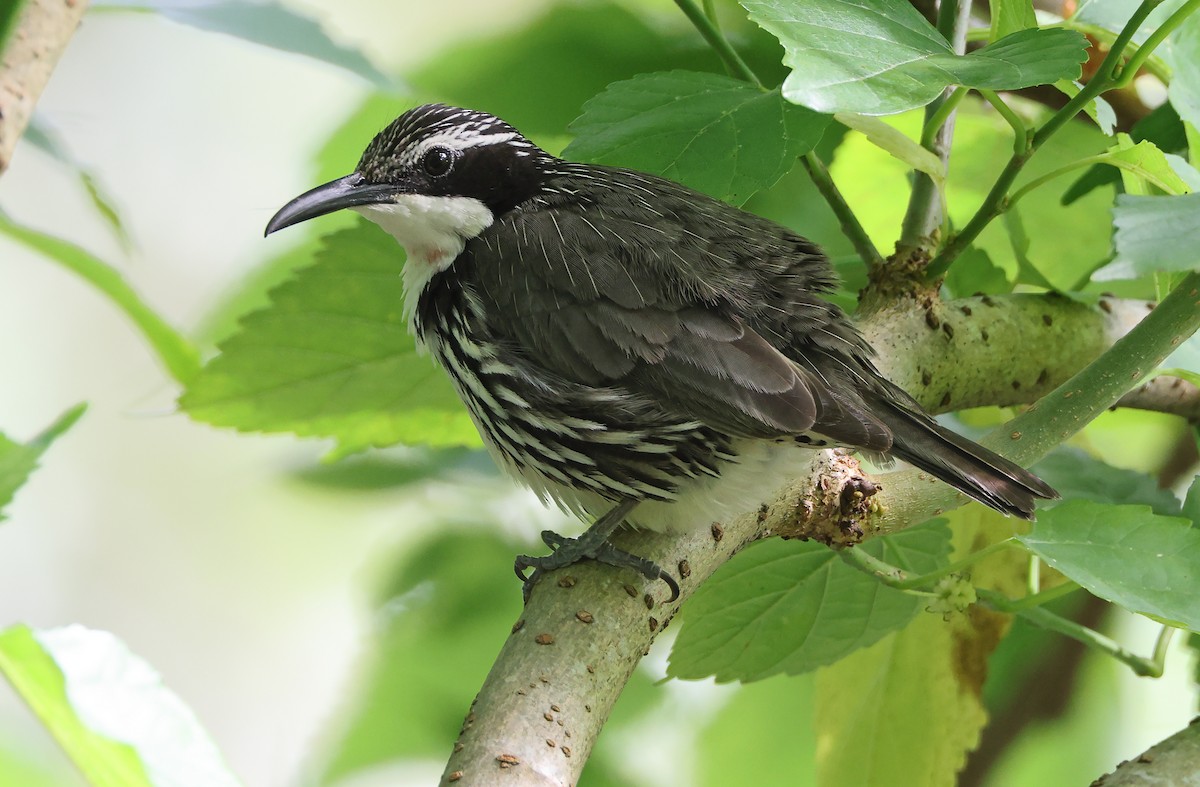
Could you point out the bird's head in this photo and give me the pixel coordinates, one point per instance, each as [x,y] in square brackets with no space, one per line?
[434,178]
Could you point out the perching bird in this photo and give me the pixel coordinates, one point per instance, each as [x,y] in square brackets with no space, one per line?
[632,349]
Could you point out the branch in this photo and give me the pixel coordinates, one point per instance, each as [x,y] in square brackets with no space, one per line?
[1173,761]
[33,50]
[581,636]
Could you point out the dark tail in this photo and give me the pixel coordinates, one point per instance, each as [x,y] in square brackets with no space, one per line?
[963,464]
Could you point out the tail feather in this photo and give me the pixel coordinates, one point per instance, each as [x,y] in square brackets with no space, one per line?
[963,464]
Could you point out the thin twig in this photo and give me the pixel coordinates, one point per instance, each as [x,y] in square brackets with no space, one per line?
[852,228]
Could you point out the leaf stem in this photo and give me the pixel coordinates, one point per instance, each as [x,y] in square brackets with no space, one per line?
[1039,616]
[996,200]
[898,578]
[1021,134]
[707,28]
[851,226]
[1043,597]
[1099,158]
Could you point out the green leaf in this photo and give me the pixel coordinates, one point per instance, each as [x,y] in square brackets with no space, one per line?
[713,133]
[1099,110]
[1143,165]
[1079,476]
[792,607]
[1162,127]
[1184,90]
[1027,271]
[912,701]
[266,23]
[1191,504]
[425,661]
[9,14]
[898,144]
[18,460]
[175,352]
[879,57]
[1126,554]
[1153,234]
[1010,16]
[109,710]
[332,357]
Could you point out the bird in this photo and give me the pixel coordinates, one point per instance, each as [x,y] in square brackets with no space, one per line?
[635,351]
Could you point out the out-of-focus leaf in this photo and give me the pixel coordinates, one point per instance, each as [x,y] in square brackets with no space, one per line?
[18,460]
[174,351]
[747,729]
[896,143]
[792,607]
[975,272]
[109,710]
[332,357]
[572,52]
[880,57]
[1154,234]
[913,699]
[9,14]
[1126,554]
[1184,90]
[267,23]
[42,137]
[1191,503]
[1010,16]
[1078,476]
[1027,271]
[713,133]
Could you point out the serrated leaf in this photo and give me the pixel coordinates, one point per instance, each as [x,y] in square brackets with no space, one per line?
[879,57]
[1129,555]
[266,23]
[1162,127]
[18,460]
[1099,110]
[792,607]
[1143,165]
[332,357]
[912,699]
[109,710]
[713,133]
[1191,503]
[1153,234]
[1078,476]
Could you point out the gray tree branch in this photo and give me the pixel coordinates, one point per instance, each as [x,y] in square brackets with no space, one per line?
[1175,760]
[585,629]
[37,42]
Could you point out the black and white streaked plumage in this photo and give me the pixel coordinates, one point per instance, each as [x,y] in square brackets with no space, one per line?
[623,342]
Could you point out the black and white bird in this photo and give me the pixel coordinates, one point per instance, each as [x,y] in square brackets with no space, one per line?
[634,350]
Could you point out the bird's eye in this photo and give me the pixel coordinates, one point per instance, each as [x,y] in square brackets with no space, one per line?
[437,161]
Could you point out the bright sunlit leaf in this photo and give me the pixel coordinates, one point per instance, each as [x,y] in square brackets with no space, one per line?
[109,710]
[713,133]
[18,460]
[1126,554]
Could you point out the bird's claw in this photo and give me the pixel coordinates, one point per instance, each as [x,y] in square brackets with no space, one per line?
[568,551]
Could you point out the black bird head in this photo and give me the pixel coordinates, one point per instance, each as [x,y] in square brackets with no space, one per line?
[434,171]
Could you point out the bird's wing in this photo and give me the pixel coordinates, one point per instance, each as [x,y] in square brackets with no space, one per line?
[615,303]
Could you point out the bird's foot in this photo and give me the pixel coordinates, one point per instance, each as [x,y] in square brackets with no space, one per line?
[568,551]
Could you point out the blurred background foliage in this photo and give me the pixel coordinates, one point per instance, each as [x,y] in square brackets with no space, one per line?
[330,622]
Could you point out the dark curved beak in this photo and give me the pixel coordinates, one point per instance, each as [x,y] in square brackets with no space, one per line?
[337,194]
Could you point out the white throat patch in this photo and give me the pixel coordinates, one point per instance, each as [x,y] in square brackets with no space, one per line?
[432,230]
